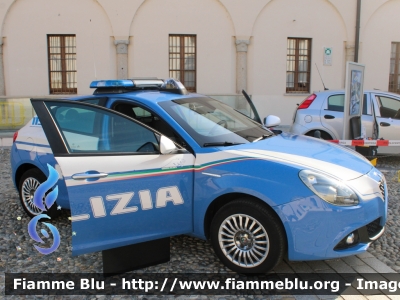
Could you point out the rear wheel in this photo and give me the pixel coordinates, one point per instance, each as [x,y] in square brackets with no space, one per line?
[28,185]
[248,237]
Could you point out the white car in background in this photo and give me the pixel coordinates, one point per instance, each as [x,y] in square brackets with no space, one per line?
[323,111]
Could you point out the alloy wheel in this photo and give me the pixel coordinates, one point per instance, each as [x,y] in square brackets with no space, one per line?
[243,240]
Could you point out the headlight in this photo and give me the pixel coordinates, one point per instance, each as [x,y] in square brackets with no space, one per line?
[329,189]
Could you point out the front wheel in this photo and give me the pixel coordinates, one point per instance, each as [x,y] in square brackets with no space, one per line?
[28,185]
[248,237]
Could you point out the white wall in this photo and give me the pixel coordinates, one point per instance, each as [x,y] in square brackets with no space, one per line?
[278,21]
[382,28]
[25,45]
[155,20]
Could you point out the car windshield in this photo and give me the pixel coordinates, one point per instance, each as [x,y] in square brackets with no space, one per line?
[213,123]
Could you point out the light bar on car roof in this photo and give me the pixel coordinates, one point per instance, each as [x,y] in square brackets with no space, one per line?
[174,86]
[111,83]
[147,82]
[170,85]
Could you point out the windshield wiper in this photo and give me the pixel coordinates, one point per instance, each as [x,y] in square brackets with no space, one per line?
[263,137]
[221,144]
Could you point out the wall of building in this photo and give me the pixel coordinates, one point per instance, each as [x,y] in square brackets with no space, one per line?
[380,30]
[276,22]
[155,20]
[143,26]
[25,30]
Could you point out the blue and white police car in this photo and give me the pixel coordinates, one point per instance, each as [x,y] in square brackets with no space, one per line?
[141,160]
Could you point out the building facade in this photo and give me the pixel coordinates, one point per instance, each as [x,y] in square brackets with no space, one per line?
[270,48]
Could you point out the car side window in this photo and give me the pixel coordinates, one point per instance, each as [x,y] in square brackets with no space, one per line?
[150,119]
[92,101]
[336,103]
[75,120]
[389,107]
[96,101]
[91,130]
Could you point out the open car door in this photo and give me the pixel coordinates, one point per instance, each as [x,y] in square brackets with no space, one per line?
[388,117]
[121,189]
[253,113]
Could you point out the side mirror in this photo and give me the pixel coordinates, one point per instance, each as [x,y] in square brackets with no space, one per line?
[166,145]
[271,121]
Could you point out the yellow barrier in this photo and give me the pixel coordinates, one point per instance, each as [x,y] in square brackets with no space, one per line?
[15,113]
[11,115]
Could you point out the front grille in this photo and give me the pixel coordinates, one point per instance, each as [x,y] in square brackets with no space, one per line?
[382,188]
[374,228]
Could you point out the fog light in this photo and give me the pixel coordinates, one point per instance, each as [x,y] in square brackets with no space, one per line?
[350,239]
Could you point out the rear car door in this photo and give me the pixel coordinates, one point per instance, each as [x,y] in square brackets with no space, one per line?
[121,189]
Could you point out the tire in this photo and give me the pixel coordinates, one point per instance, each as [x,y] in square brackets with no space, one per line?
[324,135]
[233,240]
[28,184]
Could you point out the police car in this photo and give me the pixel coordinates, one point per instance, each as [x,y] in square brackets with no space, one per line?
[142,160]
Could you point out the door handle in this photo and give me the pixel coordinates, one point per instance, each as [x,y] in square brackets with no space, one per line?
[384,124]
[329,117]
[81,176]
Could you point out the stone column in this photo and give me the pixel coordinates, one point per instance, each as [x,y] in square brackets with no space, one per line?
[2,83]
[241,65]
[122,58]
[350,50]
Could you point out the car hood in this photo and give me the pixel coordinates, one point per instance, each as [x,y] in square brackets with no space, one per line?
[307,152]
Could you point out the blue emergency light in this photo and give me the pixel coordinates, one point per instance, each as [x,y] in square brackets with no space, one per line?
[168,85]
[111,83]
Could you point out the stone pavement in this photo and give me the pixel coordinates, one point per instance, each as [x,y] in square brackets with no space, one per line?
[363,264]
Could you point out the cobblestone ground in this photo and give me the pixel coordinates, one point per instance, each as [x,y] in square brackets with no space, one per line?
[188,254]
[386,248]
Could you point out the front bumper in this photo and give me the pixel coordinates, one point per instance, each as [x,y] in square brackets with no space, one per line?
[364,235]
[318,230]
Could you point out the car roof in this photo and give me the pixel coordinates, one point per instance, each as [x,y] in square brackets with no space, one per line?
[142,95]
[365,91]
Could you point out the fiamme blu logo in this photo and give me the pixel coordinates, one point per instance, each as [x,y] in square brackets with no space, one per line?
[49,200]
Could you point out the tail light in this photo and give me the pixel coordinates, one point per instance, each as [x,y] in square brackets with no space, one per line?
[15,136]
[307,102]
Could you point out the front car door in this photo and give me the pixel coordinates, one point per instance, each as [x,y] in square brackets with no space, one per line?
[121,190]
[388,116]
[148,117]
[244,105]
[332,115]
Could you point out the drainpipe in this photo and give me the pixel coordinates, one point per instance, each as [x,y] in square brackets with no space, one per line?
[357,31]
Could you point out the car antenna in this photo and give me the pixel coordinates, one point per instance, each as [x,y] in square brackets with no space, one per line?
[325,89]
